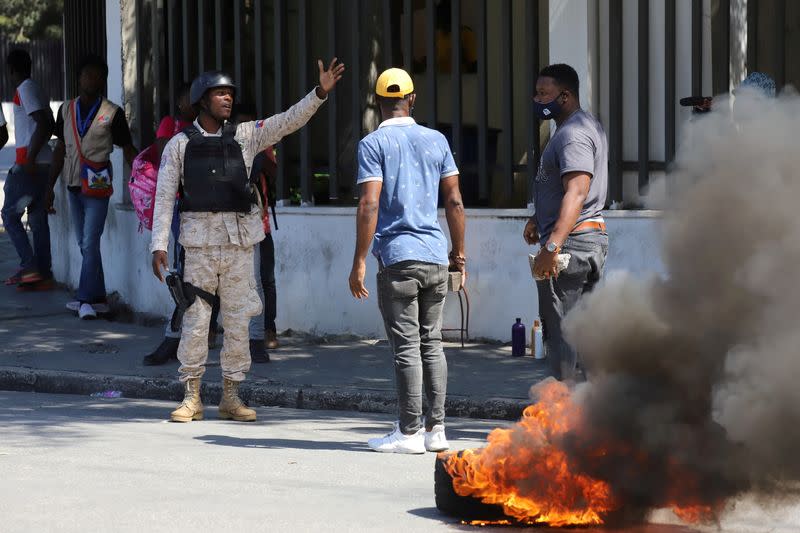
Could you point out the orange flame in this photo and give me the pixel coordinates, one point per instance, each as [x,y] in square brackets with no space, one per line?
[525,470]
[695,513]
[533,481]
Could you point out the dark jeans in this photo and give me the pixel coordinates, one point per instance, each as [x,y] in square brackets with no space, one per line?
[558,296]
[89,220]
[265,285]
[267,273]
[23,191]
[177,249]
[411,298]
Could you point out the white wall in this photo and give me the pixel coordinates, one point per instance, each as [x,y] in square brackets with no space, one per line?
[114,85]
[573,40]
[314,252]
[314,248]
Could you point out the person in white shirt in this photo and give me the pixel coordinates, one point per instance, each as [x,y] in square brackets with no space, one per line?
[26,183]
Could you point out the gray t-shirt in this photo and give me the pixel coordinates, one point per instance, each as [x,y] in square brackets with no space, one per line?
[578,145]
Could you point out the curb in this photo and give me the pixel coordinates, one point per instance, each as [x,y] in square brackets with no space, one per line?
[254,393]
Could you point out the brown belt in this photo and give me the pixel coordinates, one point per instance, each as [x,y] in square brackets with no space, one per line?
[589,225]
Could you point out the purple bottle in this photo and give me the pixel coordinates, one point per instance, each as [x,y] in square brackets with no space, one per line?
[518,339]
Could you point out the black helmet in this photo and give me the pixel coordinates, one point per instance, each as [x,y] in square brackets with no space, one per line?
[209,80]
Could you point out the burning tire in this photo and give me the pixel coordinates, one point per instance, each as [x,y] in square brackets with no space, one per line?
[462,507]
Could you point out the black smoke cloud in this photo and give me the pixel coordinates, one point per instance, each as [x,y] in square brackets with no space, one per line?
[693,376]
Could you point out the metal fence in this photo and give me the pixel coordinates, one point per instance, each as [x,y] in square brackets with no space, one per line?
[84,33]
[772,26]
[270,47]
[47,58]
[644,165]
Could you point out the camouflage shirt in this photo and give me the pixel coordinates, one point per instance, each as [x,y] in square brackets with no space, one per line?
[214,229]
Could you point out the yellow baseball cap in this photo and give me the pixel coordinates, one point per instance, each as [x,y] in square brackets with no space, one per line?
[394,83]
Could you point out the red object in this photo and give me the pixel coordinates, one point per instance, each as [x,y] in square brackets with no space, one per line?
[21,151]
[169,126]
[21,155]
[269,170]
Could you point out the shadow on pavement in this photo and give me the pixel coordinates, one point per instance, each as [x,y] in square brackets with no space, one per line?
[40,416]
[434,514]
[226,440]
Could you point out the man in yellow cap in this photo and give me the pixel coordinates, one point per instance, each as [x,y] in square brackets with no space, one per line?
[402,168]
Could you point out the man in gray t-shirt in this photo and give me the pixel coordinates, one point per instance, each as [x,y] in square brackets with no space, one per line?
[569,196]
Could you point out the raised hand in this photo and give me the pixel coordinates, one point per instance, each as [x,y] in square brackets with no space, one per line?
[328,78]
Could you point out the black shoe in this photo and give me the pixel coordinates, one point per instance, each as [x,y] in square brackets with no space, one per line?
[258,352]
[168,349]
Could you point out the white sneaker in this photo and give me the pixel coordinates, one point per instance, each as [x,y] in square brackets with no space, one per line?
[86,312]
[74,306]
[435,441]
[397,442]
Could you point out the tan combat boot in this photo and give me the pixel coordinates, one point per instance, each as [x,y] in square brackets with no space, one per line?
[191,408]
[231,406]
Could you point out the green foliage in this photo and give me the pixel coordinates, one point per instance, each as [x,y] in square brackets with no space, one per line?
[25,20]
[295,196]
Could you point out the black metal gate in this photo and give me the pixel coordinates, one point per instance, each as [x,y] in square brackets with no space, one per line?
[271,47]
[47,57]
[84,33]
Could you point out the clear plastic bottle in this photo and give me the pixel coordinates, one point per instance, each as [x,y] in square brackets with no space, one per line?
[518,339]
[537,340]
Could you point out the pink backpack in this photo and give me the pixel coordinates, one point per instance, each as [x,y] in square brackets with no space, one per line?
[143,182]
[142,185]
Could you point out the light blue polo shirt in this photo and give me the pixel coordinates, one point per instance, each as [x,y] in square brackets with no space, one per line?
[410,160]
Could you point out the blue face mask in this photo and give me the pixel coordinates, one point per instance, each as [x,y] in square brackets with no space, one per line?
[549,110]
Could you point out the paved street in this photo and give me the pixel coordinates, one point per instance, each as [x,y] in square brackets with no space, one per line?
[71,463]
[76,464]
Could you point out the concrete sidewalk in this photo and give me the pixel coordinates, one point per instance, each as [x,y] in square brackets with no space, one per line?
[46,348]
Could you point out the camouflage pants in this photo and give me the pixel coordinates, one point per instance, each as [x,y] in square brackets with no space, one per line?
[228,271]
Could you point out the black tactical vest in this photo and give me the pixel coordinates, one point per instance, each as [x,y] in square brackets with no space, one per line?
[214,175]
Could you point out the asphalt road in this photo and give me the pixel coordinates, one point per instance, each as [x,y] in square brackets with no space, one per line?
[70,463]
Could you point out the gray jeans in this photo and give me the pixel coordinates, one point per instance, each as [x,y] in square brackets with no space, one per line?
[558,296]
[411,298]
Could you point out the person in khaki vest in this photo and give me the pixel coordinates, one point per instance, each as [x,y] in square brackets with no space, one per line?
[87,128]
[209,163]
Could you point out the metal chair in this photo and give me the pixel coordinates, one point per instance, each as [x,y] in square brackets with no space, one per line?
[454,284]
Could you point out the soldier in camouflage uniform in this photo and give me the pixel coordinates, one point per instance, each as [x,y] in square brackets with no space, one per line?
[209,164]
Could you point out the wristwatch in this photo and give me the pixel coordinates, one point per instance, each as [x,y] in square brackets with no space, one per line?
[552,247]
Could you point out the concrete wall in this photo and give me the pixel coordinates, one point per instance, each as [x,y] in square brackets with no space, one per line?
[314,248]
[314,254]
